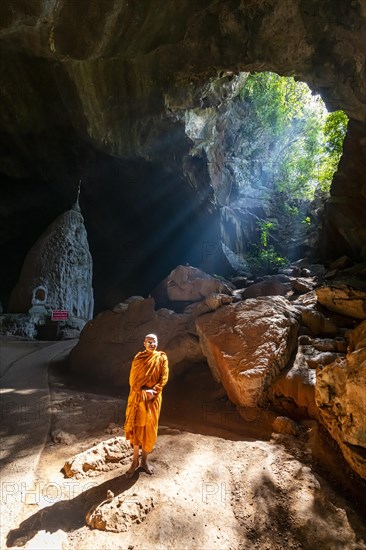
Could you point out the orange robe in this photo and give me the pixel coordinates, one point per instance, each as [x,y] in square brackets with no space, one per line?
[148,371]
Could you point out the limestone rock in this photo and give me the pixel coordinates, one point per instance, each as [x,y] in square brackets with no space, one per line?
[296,386]
[189,284]
[63,438]
[61,262]
[341,263]
[354,276]
[109,342]
[344,300]
[344,230]
[337,345]
[118,514]
[113,428]
[247,344]
[317,323]
[340,396]
[211,303]
[98,458]
[309,299]
[284,425]
[302,286]
[357,338]
[269,287]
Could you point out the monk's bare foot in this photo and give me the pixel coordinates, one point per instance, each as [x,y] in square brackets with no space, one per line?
[132,469]
[147,467]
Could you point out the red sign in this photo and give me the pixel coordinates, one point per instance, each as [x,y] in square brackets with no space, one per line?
[59,315]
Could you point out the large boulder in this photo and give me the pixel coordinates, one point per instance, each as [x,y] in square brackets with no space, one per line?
[343,299]
[247,344]
[269,287]
[189,284]
[109,342]
[340,397]
[317,323]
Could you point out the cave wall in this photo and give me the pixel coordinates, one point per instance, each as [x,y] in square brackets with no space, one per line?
[344,217]
[91,86]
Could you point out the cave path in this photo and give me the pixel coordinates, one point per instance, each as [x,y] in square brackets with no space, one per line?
[25,419]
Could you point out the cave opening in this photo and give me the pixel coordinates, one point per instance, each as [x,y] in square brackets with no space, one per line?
[210,193]
[272,149]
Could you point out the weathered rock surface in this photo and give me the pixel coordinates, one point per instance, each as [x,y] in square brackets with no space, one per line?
[61,262]
[120,513]
[109,342]
[344,230]
[340,263]
[296,386]
[211,303]
[340,396]
[344,300]
[284,425]
[271,287]
[189,284]
[98,458]
[317,323]
[302,285]
[247,344]
[354,276]
[63,438]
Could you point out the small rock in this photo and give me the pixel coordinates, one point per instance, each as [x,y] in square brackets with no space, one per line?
[113,428]
[63,438]
[284,425]
[97,458]
[117,516]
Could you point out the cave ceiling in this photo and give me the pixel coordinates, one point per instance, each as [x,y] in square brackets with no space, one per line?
[97,91]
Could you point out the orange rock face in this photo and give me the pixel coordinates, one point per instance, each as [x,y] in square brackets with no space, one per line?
[341,398]
[247,344]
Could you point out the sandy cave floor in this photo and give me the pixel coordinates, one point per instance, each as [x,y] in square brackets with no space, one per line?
[220,481]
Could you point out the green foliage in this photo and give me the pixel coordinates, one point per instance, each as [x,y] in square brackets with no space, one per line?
[289,146]
[299,141]
[265,228]
[277,100]
[264,258]
[334,131]
[265,261]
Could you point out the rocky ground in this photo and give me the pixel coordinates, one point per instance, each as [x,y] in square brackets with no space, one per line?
[220,480]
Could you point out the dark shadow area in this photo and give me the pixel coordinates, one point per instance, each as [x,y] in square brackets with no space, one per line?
[142,221]
[194,402]
[281,521]
[24,405]
[68,515]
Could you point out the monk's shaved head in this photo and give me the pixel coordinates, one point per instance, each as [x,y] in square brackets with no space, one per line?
[151,336]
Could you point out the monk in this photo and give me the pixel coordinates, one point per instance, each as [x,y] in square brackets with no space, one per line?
[148,375]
